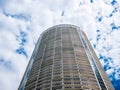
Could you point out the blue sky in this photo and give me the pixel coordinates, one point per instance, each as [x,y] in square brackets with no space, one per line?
[22,21]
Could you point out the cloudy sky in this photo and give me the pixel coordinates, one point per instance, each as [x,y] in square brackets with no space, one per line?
[22,21]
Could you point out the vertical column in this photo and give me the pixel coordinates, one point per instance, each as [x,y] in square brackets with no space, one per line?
[75,41]
[40,56]
[51,87]
[57,72]
[62,73]
[69,65]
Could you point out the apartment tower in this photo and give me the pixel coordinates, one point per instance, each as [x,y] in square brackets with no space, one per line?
[63,59]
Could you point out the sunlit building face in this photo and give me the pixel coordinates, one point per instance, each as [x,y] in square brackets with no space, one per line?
[63,59]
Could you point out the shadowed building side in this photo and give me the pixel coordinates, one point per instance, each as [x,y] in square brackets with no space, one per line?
[64,60]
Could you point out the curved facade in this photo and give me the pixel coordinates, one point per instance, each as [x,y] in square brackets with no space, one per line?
[63,59]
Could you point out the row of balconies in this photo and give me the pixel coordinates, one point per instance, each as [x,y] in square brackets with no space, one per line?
[69,68]
[51,35]
[43,87]
[77,43]
[69,72]
[35,73]
[65,65]
[58,50]
[73,84]
[35,68]
[91,87]
[83,75]
[69,62]
[70,59]
[47,62]
[81,66]
[85,68]
[45,81]
[58,37]
[45,72]
[65,37]
[57,66]
[57,87]
[69,65]
[44,75]
[82,59]
[49,46]
[77,88]
[50,38]
[87,72]
[68,52]
[57,73]
[48,52]
[58,43]
[66,40]
[75,38]
[57,78]
[57,56]
[30,81]
[46,66]
[78,48]
[67,48]
[43,41]
[58,31]
[45,78]
[37,61]
[75,35]
[80,63]
[51,32]
[48,55]
[71,79]
[57,63]
[71,75]
[30,84]
[69,55]
[72,87]
[47,58]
